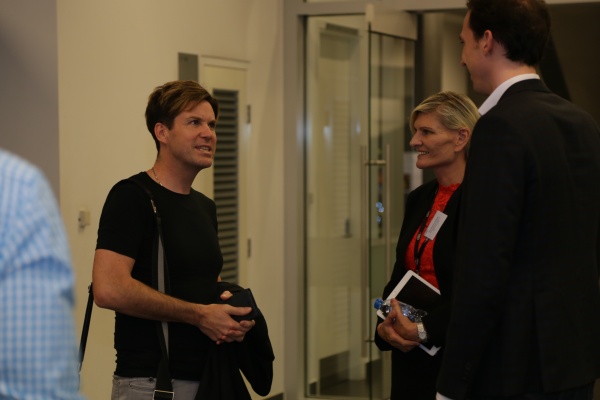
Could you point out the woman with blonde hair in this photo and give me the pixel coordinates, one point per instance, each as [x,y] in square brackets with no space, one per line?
[441,126]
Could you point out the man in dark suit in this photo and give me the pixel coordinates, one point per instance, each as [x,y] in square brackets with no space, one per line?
[526,310]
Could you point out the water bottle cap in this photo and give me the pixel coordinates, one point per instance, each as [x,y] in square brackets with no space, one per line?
[378,303]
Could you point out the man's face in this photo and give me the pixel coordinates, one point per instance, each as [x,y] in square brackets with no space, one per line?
[192,139]
[472,57]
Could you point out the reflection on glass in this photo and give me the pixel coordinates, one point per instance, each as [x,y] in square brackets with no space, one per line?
[336,115]
[358,90]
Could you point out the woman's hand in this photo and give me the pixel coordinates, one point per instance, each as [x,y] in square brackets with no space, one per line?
[397,330]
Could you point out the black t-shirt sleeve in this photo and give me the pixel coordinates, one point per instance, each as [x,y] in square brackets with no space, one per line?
[126,219]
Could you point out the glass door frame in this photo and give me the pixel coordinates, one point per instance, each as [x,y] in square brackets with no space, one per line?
[294,17]
[294,26]
[358,357]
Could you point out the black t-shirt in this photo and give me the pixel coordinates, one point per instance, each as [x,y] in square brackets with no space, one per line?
[194,261]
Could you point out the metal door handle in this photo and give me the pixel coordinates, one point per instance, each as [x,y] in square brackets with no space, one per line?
[365,249]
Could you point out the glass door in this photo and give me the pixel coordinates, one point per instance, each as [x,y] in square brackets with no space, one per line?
[359,96]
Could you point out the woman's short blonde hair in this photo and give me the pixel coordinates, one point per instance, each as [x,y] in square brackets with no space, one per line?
[456,111]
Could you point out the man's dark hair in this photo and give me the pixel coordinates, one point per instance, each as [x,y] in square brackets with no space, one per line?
[522,27]
[167,101]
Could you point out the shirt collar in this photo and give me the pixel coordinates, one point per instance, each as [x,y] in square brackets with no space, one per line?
[493,99]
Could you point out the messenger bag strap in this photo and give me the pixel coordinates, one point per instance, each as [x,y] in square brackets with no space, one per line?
[164,387]
[86,325]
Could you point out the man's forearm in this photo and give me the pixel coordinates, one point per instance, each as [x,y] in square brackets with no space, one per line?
[136,299]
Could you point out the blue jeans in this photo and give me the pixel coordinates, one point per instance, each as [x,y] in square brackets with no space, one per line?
[143,388]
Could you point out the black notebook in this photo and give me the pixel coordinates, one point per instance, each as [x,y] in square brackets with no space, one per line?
[416,291]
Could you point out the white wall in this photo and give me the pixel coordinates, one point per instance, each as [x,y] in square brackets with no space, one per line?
[29,83]
[111,54]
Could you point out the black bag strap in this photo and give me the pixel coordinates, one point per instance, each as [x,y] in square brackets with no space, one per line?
[86,325]
[164,387]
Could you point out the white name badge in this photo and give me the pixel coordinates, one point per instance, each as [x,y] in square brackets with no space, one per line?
[436,223]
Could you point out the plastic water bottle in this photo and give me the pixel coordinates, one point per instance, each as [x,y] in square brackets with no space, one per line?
[410,312]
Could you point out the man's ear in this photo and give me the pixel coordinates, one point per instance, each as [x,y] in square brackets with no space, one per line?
[161,132]
[463,138]
[487,42]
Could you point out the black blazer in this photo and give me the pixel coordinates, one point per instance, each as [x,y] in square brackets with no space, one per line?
[414,373]
[221,378]
[526,306]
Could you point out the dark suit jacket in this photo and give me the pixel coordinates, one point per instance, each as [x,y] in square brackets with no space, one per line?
[414,373]
[221,378]
[526,308]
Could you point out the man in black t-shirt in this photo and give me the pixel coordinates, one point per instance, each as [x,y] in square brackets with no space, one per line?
[181,116]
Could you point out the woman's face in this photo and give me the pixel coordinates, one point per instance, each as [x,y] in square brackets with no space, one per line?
[436,144]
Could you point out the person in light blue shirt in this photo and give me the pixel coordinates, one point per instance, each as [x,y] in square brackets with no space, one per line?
[38,351]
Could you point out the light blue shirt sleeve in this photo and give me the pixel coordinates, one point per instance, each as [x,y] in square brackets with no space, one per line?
[38,351]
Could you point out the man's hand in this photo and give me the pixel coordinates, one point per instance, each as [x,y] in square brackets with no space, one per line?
[244,326]
[215,322]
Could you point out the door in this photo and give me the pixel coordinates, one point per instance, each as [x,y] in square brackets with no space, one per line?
[359,96]
[226,80]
